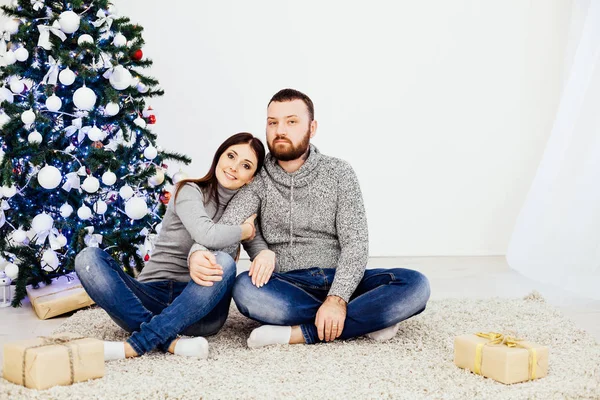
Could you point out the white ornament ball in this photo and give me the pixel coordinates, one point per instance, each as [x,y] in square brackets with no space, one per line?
[111,109]
[10,57]
[85,39]
[142,88]
[9,191]
[84,213]
[62,240]
[100,207]
[140,122]
[49,261]
[158,228]
[53,103]
[96,134]
[150,152]
[126,192]
[6,95]
[12,26]
[69,22]
[109,178]
[158,178]
[120,78]
[66,76]
[21,54]
[84,98]
[66,210]
[35,137]
[19,236]
[49,177]
[42,223]
[90,184]
[17,86]
[120,40]
[4,119]
[179,176]
[136,208]
[28,117]
[11,270]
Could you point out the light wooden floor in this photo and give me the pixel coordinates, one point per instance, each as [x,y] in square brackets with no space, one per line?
[450,277]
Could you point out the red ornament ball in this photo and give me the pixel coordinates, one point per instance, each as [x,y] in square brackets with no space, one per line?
[146,257]
[152,119]
[137,55]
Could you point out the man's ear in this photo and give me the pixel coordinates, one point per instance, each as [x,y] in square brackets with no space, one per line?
[313,128]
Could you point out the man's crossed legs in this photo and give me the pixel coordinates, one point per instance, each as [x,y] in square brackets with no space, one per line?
[383,298]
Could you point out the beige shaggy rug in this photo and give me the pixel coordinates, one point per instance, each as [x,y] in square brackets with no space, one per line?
[416,364]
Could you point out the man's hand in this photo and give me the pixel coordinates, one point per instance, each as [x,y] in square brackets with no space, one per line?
[204,269]
[330,318]
[248,228]
[262,268]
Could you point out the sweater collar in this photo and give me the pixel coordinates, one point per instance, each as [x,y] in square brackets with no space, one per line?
[298,178]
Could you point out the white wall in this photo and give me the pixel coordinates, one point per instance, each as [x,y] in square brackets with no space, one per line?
[443,108]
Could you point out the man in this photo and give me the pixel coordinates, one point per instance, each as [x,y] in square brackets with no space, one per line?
[307,282]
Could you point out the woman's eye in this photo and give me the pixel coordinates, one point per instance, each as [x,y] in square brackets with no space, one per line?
[246,166]
[230,156]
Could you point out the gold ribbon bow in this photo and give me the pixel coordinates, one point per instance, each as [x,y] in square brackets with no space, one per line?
[496,338]
[50,341]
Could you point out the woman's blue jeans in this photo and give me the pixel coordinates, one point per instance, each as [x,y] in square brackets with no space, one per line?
[156,312]
[383,298]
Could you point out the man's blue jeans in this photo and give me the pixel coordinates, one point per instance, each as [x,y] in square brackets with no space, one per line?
[155,312]
[383,298]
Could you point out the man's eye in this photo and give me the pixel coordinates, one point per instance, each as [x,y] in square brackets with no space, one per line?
[292,122]
[272,123]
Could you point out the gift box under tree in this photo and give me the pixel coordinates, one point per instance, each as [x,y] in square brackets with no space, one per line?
[65,294]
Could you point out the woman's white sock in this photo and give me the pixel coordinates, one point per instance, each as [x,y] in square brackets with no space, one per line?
[114,351]
[269,334]
[385,333]
[193,347]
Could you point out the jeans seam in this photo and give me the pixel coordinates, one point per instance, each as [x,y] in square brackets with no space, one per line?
[304,331]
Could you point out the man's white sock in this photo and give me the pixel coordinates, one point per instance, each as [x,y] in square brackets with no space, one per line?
[193,347]
[384,334]
[269,334]
[114,351]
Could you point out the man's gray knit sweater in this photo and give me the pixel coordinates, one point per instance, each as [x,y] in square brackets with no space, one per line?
[314,217]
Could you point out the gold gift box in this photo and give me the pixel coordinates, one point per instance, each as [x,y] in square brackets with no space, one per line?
[45,362]
[502,358]
[65,294]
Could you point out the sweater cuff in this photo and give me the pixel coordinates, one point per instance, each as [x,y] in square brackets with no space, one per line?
[343,292]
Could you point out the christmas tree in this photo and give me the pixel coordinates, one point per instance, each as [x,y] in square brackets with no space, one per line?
[79,164]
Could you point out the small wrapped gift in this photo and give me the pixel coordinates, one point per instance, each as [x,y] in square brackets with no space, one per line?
[44,362]
[63,295]
[502,358]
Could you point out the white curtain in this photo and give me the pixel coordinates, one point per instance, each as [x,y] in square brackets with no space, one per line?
[557,235]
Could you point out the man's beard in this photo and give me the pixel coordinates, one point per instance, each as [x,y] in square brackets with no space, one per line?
[291,152]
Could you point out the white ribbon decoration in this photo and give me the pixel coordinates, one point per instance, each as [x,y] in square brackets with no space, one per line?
[4,38]
[51,76]
[103,19]
[42,236]
[37,4]
[2,218]
[44,40]
[73,182]
[76,126]
[92,239]
[53,239]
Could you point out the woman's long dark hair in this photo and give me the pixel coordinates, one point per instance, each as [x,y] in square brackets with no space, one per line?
[209,181]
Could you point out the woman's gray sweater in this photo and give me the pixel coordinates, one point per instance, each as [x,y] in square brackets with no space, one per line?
[189,220]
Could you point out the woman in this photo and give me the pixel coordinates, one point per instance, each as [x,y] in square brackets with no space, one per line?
[163,302]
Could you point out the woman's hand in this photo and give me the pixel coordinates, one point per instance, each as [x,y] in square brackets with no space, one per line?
[248,228]
[262,268]
[204,269]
